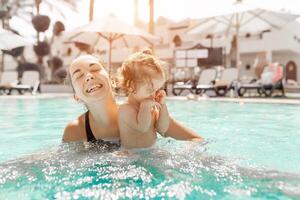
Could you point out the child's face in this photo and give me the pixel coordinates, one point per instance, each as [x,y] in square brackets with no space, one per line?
[148,89]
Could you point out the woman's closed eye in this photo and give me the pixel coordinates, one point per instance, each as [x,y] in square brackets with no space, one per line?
[96,70]
[78,76]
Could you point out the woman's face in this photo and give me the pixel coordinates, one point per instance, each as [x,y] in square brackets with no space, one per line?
[89,78]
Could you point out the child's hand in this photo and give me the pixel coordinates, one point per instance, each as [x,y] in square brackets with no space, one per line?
[150,103]
[160,97]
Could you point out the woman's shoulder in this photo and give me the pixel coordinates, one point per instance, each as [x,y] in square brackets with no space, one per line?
[75,130]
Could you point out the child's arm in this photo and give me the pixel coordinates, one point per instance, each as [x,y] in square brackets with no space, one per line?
[140,120]
[162,124]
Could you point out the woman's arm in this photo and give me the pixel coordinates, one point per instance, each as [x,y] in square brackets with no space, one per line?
[74,131]
[163,120]
[168,126]
[180,132]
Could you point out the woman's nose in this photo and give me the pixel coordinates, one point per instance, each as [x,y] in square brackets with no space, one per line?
[89,77]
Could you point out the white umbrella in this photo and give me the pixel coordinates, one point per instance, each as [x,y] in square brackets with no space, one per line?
[240,18]
[111,31]
[10,40]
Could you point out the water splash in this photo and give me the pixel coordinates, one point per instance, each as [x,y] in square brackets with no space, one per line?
[170,170]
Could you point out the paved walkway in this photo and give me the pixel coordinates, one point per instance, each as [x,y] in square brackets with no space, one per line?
[242,100]
[37,96]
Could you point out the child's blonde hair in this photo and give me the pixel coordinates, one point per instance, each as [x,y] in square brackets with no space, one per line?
[139,67]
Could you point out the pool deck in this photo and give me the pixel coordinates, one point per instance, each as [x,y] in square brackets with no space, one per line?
[38,96]
[244,100]
[294,101]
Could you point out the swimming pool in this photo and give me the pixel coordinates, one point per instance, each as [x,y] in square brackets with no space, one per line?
[252,152]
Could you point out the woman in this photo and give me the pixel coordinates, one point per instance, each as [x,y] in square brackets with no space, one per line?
[92,86]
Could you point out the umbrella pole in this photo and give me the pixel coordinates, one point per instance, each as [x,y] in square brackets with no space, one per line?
[2,62]
[2,55]
[237,45]
[91,11]
[109,56]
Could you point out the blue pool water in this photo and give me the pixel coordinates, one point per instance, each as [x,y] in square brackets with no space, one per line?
[252,152]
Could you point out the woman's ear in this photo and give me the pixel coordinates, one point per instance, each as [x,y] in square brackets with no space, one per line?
[77,98]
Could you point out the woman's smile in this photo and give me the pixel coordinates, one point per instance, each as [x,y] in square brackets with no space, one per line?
[94,88]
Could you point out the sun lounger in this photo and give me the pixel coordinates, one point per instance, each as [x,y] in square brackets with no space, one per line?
[9,79]
[252,86]
[30,82]
[268,90]
[207,76]
[263,87]
[228,78]
[179,87]
[206,80]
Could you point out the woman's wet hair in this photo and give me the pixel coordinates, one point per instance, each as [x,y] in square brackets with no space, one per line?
[68,80]
[139,67]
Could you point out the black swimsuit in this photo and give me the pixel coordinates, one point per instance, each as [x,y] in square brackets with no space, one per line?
[90,136]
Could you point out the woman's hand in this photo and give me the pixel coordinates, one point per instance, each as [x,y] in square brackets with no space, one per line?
[197,139]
